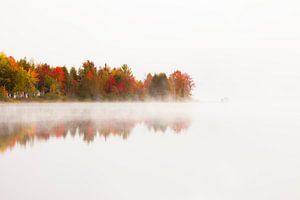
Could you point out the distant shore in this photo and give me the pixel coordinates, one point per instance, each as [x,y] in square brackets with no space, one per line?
[28,81]
[70,100]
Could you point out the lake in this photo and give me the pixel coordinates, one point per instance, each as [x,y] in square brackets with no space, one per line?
[202,150]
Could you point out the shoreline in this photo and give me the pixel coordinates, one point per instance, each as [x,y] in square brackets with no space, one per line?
[95,101]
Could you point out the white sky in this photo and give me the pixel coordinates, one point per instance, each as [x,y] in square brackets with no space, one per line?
[234,48]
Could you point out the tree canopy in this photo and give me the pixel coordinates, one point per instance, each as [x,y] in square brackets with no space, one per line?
[26,79]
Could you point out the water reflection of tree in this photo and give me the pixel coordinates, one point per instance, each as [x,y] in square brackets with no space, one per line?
[23,134]
[176,125]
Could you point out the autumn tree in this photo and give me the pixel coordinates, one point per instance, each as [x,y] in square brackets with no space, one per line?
[129,82]
[118,83]
[181,85]
[58,76]
[44,76]
[146,84]
[15,79]
[31,82]
[31,76]
[87,87]
[66,82]
[73,81]
[26,64]
[7,74]
[159,86]
[103,75]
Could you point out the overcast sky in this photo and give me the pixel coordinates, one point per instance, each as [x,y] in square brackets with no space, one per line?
[235,48]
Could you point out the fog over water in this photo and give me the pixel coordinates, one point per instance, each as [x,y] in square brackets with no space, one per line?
[36,112]
[149,151]
[42,120]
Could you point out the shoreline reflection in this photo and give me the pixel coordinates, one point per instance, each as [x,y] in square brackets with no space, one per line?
[26,133]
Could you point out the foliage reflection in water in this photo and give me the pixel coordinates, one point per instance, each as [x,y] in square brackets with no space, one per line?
[12,134]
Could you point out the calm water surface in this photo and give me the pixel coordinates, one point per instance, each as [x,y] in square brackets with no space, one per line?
[149,151]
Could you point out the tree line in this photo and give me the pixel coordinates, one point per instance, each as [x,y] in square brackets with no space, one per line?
[23,79]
